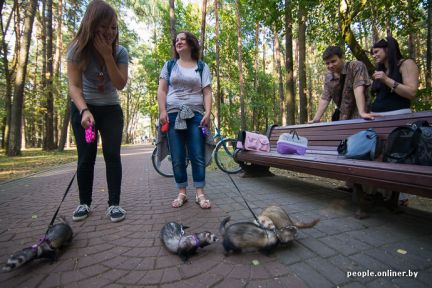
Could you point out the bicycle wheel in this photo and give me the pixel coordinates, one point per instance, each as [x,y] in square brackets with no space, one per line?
[223,155]
[165,166]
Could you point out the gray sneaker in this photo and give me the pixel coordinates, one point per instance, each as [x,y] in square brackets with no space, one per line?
[81,212]
[116,213]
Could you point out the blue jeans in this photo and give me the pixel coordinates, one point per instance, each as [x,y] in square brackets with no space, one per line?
[192,140]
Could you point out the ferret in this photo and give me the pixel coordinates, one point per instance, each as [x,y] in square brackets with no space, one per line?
[174,239]
[56,237]
[246,234]
[275,217]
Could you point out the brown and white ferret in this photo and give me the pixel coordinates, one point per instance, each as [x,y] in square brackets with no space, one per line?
[275,217]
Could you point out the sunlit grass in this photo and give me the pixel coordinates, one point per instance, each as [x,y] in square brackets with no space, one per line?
[32,161]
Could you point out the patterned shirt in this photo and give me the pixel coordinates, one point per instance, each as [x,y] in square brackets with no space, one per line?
[356,75]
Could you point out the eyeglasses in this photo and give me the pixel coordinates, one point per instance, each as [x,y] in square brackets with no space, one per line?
[101,83]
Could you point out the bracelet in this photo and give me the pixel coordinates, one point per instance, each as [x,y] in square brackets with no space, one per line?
[395,84]
[83,110]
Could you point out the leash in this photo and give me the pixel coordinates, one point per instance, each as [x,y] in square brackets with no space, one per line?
[58,208]
[250,209]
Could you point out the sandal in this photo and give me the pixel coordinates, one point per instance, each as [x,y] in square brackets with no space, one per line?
[403,202]
[179,201]
[204,203]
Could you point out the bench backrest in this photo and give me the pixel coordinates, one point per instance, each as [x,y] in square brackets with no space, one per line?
[327,136]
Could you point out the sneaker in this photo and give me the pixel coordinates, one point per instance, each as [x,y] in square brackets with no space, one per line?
[116,213]
[81,212]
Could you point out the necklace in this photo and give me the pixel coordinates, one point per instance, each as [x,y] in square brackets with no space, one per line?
[101,83]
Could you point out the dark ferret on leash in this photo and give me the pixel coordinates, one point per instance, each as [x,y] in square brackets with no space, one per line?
[247,235]
[174,239]
[57,236]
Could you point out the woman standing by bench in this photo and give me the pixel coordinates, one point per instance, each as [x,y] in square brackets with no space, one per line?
[395,83]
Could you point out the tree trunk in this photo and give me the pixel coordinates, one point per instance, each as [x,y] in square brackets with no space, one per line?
[347,14]
[429,46]
[254,109]
[411,31]
[279,73]
[18,98]
[290,103]
[65,126]
[172,19]
[203,26]
[375,33]
[62,141]
[240,59]
[59,41]
[218,91]
[302,15]
[49,116]
[7,74]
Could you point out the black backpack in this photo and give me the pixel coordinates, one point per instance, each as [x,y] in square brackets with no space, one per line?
[410,144]
[172,62]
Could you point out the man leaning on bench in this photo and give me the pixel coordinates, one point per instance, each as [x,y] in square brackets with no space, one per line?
[346,83]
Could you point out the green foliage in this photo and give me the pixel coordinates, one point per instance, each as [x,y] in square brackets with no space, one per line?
[423,101]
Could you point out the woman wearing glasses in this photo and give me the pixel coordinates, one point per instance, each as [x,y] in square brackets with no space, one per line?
[97,68]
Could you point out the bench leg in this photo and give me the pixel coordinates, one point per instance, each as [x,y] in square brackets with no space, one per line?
[393,203]
[359,198]
[254,170]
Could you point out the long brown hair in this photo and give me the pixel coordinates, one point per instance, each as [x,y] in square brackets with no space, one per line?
[97,12]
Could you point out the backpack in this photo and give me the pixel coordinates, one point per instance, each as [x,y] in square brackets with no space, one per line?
[363,145]
[172,62]
[410,144]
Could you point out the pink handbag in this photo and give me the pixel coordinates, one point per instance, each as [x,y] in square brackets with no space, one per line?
[253,141]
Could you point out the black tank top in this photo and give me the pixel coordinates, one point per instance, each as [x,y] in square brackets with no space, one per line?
[385,99]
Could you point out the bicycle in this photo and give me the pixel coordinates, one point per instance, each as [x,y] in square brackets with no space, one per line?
[223,154]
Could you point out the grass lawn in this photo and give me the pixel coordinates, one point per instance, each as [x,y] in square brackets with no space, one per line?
[32,161]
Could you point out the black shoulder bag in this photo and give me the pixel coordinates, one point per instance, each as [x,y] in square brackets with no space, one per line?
[336,113]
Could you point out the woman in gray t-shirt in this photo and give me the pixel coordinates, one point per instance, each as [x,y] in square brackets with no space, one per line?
[97,68]
[184,97]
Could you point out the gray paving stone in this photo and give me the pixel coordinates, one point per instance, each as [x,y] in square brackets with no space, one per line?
[130,254]
[309,275]
[345,244]
[317,247]
[295,253]
[328,270]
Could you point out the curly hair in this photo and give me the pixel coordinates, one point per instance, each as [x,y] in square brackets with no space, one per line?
[192,42]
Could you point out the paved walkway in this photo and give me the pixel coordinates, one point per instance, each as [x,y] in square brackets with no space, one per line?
[129,254]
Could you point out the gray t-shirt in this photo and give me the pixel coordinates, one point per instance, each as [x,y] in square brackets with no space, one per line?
[185,84]
[99,91]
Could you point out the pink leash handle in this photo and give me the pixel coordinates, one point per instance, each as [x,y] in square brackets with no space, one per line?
[90,135]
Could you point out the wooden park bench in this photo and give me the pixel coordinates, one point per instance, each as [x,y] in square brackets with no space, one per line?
[322,159]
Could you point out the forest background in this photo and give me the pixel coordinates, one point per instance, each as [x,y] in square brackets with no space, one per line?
[265,58]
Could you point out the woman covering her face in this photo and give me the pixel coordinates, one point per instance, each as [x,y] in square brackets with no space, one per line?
[97,68]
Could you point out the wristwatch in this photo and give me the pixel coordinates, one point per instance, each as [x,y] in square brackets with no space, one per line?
[83,110]
[395,84]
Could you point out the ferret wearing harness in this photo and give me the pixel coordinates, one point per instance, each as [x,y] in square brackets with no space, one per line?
[247,235]
[56,237]
[174,239]
[275,217]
